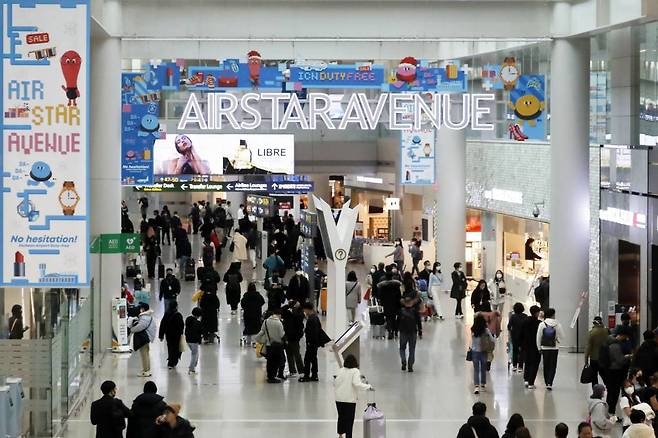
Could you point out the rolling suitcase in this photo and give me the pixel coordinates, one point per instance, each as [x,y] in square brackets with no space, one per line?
[377,320]
[190,275]
[374,422]
[161,269]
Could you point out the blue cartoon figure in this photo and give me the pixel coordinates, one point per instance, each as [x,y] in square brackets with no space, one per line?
[40,173]
[150,124]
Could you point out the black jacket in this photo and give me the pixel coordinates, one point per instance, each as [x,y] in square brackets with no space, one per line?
[298,289]
[529,335]
[293,323]
[108,414]
[482,427]
[146,408]
[209,304]
[169,288]
[515,326]
[172,326]
[646,358]
[252,303]
[458,289]
[390,295]
[481,300]
[313,331]
[183,429]
[208,279]
[233,278]
[183,247]
[193,330]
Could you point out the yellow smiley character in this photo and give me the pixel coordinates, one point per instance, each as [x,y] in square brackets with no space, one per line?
[527,108]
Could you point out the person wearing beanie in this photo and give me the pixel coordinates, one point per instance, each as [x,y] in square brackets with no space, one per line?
[597,338]
[603,424]
[146,407]
[170,424]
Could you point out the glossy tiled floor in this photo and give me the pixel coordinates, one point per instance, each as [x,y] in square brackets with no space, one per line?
[229,396]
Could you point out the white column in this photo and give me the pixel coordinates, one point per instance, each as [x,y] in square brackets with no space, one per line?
[451,197]
[105,175]
[569,240]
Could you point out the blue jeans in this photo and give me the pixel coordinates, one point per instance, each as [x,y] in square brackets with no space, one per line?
[182,261]
[479,368]
[194,360]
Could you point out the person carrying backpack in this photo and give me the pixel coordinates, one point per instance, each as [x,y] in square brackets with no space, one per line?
[549,337]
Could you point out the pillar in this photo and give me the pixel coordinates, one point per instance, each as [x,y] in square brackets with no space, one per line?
[105,176]
[451,197]
[569,240]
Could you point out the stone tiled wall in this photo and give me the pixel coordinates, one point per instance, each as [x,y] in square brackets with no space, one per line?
[526,168]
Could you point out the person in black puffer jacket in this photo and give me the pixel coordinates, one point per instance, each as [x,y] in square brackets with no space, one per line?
[478,424]
[145,409]
[293,326]
[193,334]
[515,327]
[171,425]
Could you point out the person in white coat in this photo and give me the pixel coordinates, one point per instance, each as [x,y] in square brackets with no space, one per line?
[549,338]
[239,246]
[347,384]
[144,323]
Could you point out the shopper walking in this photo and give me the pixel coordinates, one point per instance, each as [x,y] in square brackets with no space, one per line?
[435,288]
[515,327]
[347,384]
[408,332]
[529,350]
[458,290]
[298,287]
[108,413]
[549,337]
[193,336]
[352,295]
[171,330]
[398,254]
[646,356]
[416,255]
[271,335]
[169,289]
[482,345]
[252,306]
[602,422]
[144,332]
[146,407]
[597,339]
[233,279]
[183,252]
[515,423]
[616,368]
[481,298]
[390,296]
[252,242]
[151,250]
[315,338]
[209,304]
[478,425]
[16,328]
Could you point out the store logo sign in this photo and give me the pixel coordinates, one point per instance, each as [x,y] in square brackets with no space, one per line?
[623,217]
[510,196]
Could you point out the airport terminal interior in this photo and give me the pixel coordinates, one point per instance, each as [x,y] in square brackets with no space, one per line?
[295,218]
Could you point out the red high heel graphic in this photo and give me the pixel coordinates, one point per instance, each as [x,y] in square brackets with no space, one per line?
[514,132]
[517,128]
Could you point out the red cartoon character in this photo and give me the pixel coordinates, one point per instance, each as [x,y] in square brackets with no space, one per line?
[406,71]
[254,63]
[70,62]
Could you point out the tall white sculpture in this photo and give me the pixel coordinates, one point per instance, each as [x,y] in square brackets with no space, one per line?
[336,239]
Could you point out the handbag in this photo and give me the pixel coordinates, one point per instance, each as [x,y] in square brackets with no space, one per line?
[197,296]
[182,345]
[141,338]
[488,345]
[272,344]
[260,350]
[469,355]
[587,375]
[367,294]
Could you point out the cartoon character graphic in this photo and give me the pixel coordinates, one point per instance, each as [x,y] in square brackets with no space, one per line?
[254,62]
[40,173]
[406,72]
[150,124]
[528,105]
[70,63]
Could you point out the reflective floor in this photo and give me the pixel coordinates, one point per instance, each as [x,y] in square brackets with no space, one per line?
[229,395]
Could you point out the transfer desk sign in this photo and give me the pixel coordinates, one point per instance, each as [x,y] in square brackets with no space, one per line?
[45,144]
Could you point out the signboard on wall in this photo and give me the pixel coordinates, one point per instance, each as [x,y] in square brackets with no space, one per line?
[45,163]
[224,154]
[417,156]
[528,106]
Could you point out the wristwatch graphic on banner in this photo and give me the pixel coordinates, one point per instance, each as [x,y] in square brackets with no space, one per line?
[509,73]
[68,198]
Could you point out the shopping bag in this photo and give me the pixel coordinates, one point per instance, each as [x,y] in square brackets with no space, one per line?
[260,350]
[374,422]
[197,296]
[182,345]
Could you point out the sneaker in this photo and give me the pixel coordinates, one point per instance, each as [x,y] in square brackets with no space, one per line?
[531,386]
[476,390]
[145,374]
[232,312]
[291,376]
[441,317]
[170,368]
[525,384]
[304,379]
[513,369]
[411,369]
[549,387]
[190,372]
[314,379]
[404,367]
[483,388]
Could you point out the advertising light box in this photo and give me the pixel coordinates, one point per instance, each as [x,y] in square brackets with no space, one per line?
[224,154]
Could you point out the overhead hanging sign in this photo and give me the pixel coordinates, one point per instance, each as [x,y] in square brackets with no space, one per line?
[45,143]
[417,157]
[323,75]
[265,187]
[224,154]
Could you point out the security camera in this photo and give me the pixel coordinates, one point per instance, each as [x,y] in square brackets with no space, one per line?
[536,211]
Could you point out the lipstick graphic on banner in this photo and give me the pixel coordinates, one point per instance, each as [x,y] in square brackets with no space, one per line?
[19,264]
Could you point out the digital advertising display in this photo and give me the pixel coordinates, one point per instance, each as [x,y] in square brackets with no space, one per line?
[224,154]
[45,143]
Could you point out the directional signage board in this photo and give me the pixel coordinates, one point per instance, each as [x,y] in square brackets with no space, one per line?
[271,187]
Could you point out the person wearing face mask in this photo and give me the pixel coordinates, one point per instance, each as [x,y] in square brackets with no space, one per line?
[369,282]
[627,400]
[398,254]
[458,290]
[108,413]
[298,287]
[318,278]
[603,423]
[424,274]
[193,334]
[481,298]
[390,295]
[352,295]
[434,289]
[169,289]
